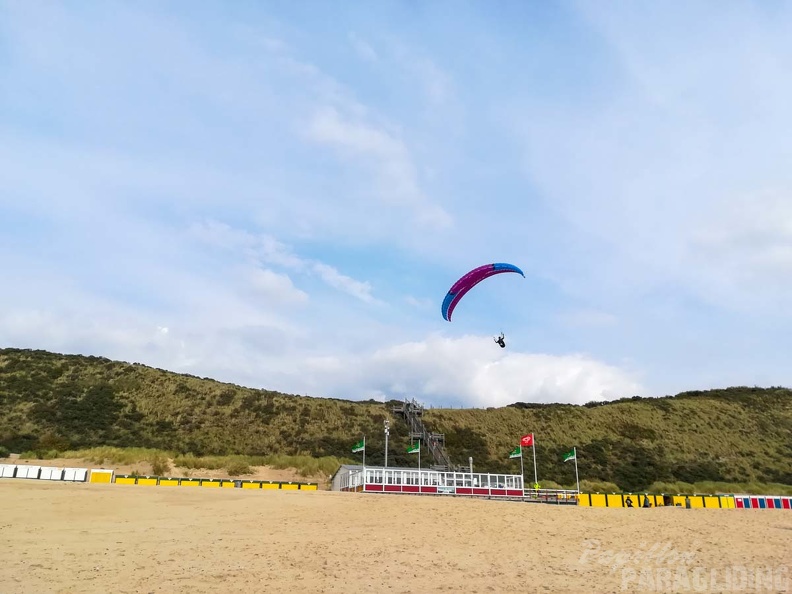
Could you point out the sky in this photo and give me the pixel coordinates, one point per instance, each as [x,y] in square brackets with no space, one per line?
[280,194]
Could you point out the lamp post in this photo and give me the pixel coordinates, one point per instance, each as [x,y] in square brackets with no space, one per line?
[387,432]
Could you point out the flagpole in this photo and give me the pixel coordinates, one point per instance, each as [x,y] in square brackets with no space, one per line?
[364,451]
[533,447]
[577,479]
[522,471]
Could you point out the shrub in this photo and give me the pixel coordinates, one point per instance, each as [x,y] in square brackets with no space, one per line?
[587,486]
[237,468]
[160,465]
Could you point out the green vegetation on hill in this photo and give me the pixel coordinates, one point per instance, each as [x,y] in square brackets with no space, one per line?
[737,435]
[159,460]
[51,402]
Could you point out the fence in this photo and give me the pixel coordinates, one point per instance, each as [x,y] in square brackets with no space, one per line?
[128,479]
[374,479]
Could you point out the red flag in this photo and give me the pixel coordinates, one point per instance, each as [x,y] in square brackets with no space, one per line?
[527,440]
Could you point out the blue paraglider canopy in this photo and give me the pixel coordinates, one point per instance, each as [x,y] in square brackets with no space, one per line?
[470,280]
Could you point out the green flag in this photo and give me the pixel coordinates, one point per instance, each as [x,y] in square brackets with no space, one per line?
[359,446]
[516,453]
[415,448]
[570,455]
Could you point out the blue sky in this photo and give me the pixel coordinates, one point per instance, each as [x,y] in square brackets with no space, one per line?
[279,194]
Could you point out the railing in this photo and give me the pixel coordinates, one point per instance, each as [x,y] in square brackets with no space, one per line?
[411,410]
[551,495]
[426,482]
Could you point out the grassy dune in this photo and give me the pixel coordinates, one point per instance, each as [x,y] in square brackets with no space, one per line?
[234,465]
[51,403]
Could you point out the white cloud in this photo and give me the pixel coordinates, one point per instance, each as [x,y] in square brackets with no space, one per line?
[328,127]
[218,329]
[276,286]
[652,164]
[215,327]
[389,157]
[587,318]
[436,84]
[467,371]
[361,290]
[648,164]
[420,303]
[752,236]
[363,48]
[214,125]
[743,257]
[267,249]
[472,371]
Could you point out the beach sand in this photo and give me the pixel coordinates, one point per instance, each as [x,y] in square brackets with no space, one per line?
[70,538]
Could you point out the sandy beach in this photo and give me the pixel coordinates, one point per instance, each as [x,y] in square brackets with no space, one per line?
[70,538]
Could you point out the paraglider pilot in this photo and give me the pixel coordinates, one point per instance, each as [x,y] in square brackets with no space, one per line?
[500,341]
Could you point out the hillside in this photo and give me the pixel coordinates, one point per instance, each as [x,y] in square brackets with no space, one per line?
[65,402]
[736,435]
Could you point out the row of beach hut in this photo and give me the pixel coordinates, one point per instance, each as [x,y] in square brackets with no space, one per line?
[103,475]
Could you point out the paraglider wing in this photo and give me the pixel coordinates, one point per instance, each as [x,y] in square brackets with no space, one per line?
[470,280]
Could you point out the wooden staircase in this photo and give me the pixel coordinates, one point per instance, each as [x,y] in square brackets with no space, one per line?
[412,412]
